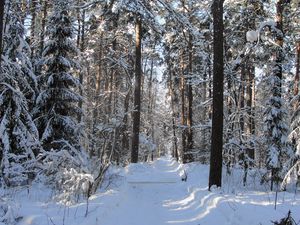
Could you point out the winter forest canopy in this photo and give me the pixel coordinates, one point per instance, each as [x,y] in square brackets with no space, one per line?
[86,85]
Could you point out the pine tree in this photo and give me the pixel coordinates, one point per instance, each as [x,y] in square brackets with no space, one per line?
[19,137]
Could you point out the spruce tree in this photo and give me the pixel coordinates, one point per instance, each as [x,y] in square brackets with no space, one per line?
[275,113]
[57,104]
[18,134]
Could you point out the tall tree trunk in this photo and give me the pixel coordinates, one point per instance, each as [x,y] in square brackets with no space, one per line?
[43,28]
[215,172]
[250,125]
[96,97]
[190,141]
[125,141]
[81,42]
[172,93]
[113,73]
[183,116]
[2,3]
[1,26]
[32,27]
[280,4]
[242,102]
[253,9]
[151,101]
[137,92]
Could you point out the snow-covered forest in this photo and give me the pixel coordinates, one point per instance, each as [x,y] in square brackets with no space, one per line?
[149,112]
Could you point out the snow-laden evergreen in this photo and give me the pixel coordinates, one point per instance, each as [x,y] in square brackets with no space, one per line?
[19,142]
[276,129]
[57,108]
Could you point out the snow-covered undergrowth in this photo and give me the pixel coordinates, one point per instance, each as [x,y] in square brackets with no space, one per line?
[154,194]
[8,211]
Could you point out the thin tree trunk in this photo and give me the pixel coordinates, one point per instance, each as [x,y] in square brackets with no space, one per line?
[82,47]
[172,93]
[215,172]
[32,28]
[250,109]
[183,117]
[113,74]
[190,141]
[79,25]
[297,74]
[96,97]
[137,92]
[150,84]
[125,141]
[242,102]
[43,28]
[1,27]
[254,8]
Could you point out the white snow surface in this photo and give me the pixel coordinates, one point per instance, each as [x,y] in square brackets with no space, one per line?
[252,36]
[154,194]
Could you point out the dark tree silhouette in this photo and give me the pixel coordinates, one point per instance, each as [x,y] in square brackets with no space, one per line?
[137,92]
[215,172]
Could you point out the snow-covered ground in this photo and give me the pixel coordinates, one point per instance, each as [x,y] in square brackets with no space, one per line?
[154,194]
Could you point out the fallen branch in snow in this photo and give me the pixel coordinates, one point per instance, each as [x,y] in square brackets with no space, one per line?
[288,220]
[98,180]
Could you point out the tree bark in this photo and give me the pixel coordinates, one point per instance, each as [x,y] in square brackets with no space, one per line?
[137,92]
[215,172]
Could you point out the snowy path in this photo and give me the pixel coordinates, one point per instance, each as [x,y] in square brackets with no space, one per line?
[144,196]
[153,194]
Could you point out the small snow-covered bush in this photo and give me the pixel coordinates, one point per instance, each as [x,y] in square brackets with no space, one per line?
[147,145]
[8,212]
[67,172]
[18,170]
[73,185]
